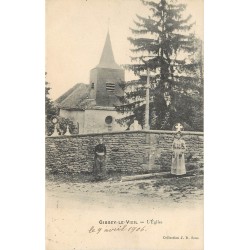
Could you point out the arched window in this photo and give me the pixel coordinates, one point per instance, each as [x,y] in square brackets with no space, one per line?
[92,85]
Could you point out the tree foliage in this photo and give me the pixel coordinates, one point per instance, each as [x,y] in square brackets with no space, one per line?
[51,111]
[61,127]
[163,43]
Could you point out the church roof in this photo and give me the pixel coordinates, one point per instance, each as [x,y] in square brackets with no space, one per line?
[76,98]
[107,58]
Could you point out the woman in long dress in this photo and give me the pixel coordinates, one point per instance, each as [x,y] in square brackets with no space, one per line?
[178,160]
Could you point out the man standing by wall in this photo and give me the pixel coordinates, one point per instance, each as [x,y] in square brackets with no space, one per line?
[99,170]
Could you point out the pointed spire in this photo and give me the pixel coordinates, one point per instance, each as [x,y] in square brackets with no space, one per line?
[107,59]
[107,53]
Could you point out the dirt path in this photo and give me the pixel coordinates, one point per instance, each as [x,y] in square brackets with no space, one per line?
[73,207]
[164,191]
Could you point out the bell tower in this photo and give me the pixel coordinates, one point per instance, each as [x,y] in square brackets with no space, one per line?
[105,78]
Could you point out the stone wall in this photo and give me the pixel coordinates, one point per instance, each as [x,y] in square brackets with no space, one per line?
[127,152]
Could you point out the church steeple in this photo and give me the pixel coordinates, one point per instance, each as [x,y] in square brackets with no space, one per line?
[107,58]
[105,78]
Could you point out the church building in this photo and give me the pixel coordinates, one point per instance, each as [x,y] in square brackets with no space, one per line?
[91,106]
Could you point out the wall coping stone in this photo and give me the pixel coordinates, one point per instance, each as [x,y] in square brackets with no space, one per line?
[128,132]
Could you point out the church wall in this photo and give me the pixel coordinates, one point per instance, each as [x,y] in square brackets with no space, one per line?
[128,152]
[76,116]
[95,121]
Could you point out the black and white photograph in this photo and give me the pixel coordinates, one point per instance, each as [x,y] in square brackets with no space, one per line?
[124,124]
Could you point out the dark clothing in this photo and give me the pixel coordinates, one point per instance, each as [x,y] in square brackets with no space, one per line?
[100,149]
[100,166]
[100,158]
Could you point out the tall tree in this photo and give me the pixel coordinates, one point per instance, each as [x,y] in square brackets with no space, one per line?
[50,109]
[163,43]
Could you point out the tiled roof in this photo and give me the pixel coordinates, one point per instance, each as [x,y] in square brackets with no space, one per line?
[75,98]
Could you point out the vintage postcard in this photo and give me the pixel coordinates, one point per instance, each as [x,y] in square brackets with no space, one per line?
[124,124]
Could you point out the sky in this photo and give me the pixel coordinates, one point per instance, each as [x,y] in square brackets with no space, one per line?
[76,32]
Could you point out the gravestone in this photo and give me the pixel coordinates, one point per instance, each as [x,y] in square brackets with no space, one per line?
[135,126]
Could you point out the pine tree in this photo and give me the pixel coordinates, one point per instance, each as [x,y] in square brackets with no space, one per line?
[164,44]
